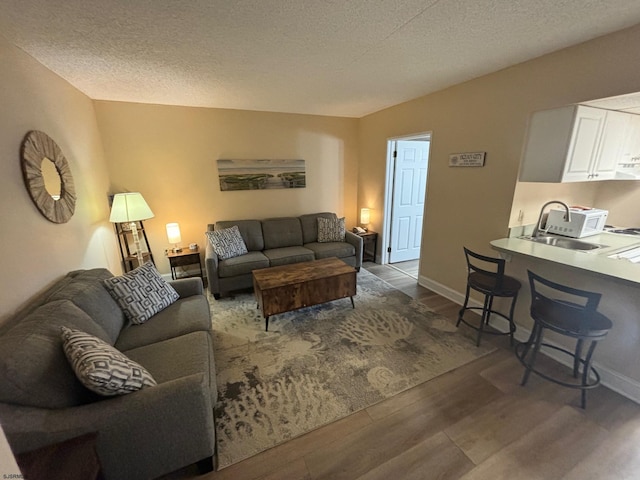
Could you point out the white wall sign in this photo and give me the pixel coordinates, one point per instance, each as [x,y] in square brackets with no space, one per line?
[469,159]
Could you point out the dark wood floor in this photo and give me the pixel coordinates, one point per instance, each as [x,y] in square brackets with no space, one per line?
[475,422]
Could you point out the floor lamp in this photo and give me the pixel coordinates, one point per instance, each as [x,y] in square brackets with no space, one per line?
[131,208]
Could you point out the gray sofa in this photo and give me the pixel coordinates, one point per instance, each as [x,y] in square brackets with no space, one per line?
[141,435]
[272,242]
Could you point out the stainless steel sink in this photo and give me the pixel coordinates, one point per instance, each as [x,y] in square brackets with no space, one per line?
[563,242]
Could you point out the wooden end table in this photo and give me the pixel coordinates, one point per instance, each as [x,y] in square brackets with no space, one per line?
[369,246]
[182,259]
[290,287]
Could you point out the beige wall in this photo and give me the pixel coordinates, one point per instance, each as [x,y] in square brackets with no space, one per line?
[530,196]
[622,199]
[35,251]
[471,206]
[169,155]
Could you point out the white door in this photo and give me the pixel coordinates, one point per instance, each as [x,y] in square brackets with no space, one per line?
[409,188]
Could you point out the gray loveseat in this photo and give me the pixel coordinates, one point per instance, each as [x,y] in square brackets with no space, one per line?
[141,435]
[272,242]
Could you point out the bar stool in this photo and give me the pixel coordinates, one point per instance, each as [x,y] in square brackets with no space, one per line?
[486,275]
[579,320]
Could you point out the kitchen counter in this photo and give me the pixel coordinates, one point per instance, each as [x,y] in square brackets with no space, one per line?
[594,261]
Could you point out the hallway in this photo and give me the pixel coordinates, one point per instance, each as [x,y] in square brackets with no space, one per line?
[409,267]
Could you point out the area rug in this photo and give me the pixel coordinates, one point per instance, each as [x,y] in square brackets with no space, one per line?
[319,364]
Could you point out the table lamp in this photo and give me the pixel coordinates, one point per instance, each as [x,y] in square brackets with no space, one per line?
[365,217]
[173,234]
[131,208]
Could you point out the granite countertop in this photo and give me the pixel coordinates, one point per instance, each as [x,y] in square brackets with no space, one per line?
[594,261]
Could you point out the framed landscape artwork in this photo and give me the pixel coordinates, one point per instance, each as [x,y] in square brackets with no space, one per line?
[261,174]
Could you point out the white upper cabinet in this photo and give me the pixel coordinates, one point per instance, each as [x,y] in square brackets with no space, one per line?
[629,162]
[573,144]
[616,125]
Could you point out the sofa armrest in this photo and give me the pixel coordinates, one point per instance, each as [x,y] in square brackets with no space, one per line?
[141,435]
[356,241]
[211,266]
[187,287]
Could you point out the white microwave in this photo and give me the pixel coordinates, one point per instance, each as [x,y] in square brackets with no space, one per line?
[583,222]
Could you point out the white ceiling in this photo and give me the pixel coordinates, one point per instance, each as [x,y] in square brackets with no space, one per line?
[325,57]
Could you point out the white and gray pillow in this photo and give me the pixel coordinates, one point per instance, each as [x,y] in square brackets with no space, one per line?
[100,367]
[331,230]
[141,293]
[227,242]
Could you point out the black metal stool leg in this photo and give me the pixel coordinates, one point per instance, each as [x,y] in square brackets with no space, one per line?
[488,310]
[530,341]
[512,325]
[577,357]
[586,372]
[464,306]
[484,319]
[534,354]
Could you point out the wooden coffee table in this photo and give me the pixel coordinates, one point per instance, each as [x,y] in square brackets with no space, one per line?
[289,287]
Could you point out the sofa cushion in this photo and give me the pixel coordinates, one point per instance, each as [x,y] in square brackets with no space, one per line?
[34,303]
[251,231]
[176,357]
[282,232]
[331,249]
[287,255]
[141,293]
[87,292]
[309,224]
[33,368]
[331,230]
[233,267]
[100,367]
[227,242]
[190,314]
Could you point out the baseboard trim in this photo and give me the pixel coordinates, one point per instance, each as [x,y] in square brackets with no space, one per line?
[446,292]
[617,382]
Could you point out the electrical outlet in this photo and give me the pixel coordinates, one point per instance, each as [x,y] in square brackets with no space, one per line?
[520,215]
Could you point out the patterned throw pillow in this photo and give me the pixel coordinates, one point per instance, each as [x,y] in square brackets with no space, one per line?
[141,293]
[331,229]
[227,242]
[100,367]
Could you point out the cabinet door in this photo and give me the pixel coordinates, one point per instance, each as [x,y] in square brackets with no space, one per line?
[545,148]
[583,149]
[631,147]
[611,145]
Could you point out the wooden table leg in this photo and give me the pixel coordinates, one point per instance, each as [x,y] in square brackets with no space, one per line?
[266,329]
[352,304]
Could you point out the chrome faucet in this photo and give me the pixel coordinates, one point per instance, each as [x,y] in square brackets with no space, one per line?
[538,229]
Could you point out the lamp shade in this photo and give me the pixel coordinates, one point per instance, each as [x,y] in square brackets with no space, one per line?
[129,207]
[365,217]
[173,233]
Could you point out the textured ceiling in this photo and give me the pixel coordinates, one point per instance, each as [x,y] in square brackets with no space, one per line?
[324,57]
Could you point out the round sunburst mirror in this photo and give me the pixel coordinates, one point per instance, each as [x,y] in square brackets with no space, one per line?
[47,177]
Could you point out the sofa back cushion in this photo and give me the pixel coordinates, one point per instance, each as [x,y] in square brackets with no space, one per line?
[250,230]
[282,232]
[88,293]
[33,368]
[310,225]
[35,302]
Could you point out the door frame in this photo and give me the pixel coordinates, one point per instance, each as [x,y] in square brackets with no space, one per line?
[385,241]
